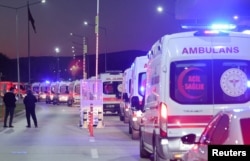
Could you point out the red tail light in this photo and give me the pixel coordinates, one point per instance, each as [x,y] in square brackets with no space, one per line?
[163,120]
[163,109]
[163,133]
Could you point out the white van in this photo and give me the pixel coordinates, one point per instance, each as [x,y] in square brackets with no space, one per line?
[74,93]
[137,91]
[62,94]
[52,92]
[35,88]
[124,102]
[44,89]
[190,77]
[112,88]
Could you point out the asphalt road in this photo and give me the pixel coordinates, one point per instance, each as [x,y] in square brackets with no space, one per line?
[58,138]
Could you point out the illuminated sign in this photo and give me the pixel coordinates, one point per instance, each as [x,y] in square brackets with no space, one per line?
[210,50]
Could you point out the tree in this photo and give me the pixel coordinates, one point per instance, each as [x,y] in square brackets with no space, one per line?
[5,67]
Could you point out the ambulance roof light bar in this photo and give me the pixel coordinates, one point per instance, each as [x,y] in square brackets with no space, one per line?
[246,31]
[211,27]
[223,26]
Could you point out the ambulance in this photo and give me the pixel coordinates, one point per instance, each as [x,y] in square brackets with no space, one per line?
[138,83]
[74,93]
[112,88]
[5,87]
[190,77]
[53,91]
[62,94]
[44,89]
[124,102]
[19,91]
[35,88]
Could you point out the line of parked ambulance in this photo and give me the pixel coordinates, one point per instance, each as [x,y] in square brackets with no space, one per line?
[69,91]
[179,86]
[6,85]
[57,92]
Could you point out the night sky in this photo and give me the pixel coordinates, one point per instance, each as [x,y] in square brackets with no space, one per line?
[129,25]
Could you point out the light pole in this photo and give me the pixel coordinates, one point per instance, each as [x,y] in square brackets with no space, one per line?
[17,37]
[105,33]
[84,52]
[97,38]
[57,50]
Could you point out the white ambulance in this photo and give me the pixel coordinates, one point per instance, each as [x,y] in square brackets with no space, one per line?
[74,93]
[35,88]
[62,94]
[137,91]
[190,77]
[44,89]
[112,88]
[53,90]
[124,102]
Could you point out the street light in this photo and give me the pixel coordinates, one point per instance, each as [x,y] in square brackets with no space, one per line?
[159,9]
[84,52]
[17,36]
[105,32]
[57,50]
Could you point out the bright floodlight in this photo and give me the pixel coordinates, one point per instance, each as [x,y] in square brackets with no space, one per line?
[236,17]
[57,50]
[43,1]
[159,9]
[85,23]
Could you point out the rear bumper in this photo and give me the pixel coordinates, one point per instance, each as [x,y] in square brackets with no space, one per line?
[111,108]
[171,148]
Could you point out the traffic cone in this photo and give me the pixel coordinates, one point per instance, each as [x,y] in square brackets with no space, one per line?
[91,130]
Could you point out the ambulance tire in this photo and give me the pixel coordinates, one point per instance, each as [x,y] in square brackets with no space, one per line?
[143,153]
[155,154]
[129,128]
[126,120]
[55,102]
[121,118]
[135,134]
[69,103]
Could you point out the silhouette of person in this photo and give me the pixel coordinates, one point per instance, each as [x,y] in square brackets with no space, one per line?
[30,105]
[9,100]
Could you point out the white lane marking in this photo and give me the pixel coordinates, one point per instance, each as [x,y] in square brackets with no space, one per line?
[18,152]
[94,153]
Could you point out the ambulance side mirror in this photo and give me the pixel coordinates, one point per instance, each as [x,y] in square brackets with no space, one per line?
[125,97]
[143,104]
[188,139]
[135,104]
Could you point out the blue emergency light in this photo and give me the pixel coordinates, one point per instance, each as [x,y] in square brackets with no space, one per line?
[215,26]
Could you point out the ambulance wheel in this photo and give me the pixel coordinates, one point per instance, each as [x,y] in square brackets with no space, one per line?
[69,103]
[126,120]
[143,153]
[135,134]
[121,118]
[129,128]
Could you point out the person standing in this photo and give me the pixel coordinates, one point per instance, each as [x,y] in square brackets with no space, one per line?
[9,100]
[30,105]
